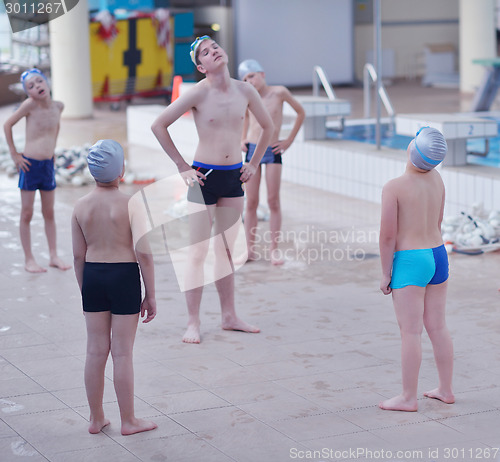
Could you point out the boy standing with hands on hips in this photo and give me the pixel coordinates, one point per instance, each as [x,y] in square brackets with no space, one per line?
[273,98]
[36,163]
[219,104]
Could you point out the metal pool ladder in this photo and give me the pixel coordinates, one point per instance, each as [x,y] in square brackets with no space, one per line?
[369,72]
[320,75]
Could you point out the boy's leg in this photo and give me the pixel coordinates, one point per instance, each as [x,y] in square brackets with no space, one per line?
[27,202]
[409,308]
[252,203]
[435,325]
[123,329]
[223,250]
[200,228]
[273,183]
[48,200]
[98,345]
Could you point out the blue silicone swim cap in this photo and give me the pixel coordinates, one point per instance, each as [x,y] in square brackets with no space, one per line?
[247,66]
[428,148]
[105,160]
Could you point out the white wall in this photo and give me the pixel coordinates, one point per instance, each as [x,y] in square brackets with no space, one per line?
[290,37]
[407,26]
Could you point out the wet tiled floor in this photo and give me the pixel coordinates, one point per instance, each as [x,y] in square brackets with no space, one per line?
[305,388]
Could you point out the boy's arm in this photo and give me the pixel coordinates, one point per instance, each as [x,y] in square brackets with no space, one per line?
[79,249]
[246,124]
[139,227]
[22,111]
[263,118]
[160,129]
[283,145]
[146,263]
[388,233]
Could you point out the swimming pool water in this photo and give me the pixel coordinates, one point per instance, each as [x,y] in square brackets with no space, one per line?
[390,139]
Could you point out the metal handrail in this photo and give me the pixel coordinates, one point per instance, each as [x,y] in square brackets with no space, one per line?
[370,72]
[319,74]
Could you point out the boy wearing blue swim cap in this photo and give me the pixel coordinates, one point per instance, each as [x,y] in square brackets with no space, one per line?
[36,163]
[218,104]
[108,269]
[415,266]
[273,97]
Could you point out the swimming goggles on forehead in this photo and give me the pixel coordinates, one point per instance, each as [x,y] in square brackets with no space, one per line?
[195,45]
[26,75]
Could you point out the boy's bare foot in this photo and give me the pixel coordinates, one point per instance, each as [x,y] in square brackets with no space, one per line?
[97,425]
[244,258]
[56,262]
[33,267]
[447,398]
[192,334]
[398,403]
[137,426]
[238,324]
[276,257]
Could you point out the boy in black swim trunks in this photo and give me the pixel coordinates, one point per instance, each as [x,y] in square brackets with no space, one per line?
[107,268]
[36,163]
[218,104]
[273,98]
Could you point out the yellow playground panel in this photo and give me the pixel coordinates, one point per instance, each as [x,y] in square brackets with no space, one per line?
[131,63]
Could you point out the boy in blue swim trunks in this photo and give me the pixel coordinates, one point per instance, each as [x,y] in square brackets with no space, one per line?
[218,104]
[415,266]
[36,163]
[108,267]
[273,98]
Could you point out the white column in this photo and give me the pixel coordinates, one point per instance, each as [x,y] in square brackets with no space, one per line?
[70,61]
[477,40]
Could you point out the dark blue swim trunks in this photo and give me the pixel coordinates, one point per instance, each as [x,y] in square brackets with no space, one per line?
[222,181]
[269,156]
[40,175]
[114,287]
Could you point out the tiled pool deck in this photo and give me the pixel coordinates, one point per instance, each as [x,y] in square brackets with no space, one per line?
[305,388]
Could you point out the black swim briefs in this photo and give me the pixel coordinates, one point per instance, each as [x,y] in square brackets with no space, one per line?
[114,287]
[222,181]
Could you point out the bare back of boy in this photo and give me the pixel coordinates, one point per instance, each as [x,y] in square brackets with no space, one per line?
[104,219]
[420,204]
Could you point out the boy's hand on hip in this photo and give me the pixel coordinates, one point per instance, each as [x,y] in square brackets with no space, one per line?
[247,171]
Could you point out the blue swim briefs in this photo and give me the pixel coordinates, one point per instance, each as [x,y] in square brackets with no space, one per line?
[40,175]
[269,156]
[419,267]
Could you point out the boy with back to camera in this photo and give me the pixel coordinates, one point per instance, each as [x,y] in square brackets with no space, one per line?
[36,163]
[108,268]
[273,98]
[415,266]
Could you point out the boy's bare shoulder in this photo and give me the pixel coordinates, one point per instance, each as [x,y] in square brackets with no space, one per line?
[395,187]
[59,105]
[27,105]
[245,87]
[280,90]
